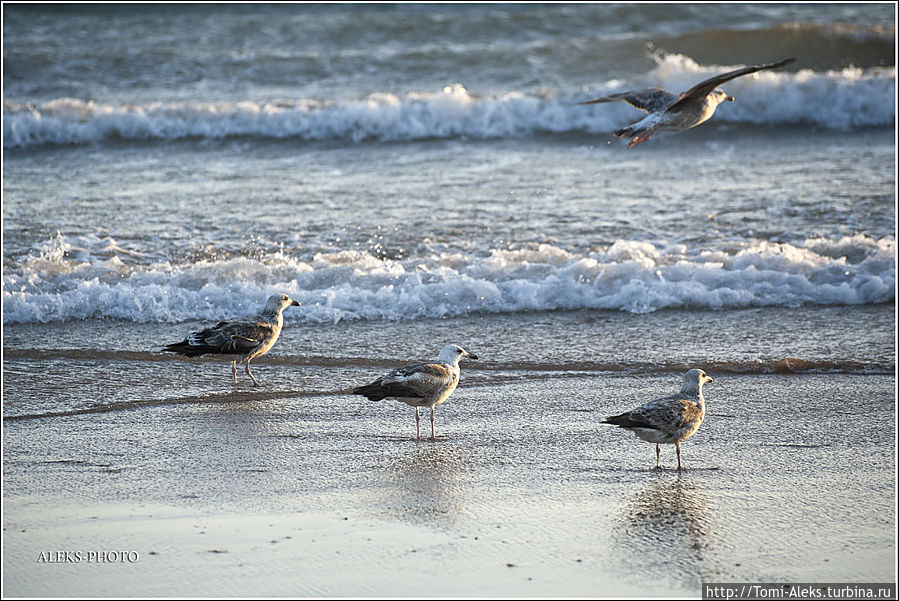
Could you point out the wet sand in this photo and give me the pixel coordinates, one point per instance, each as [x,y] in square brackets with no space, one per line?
[279,554]
[297,488]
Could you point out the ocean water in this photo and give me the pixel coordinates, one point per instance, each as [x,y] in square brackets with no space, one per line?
[417,175]
[438,165]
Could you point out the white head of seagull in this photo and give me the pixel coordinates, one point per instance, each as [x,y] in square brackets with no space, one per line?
[668,420]
[718,96]
[250,338]
[451,354]
[693,381]
[425,384]
[276,303]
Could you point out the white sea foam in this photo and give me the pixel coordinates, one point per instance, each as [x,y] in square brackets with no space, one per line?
[60,284]
[845,99]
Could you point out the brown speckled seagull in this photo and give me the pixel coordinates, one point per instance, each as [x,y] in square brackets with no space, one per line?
[248,337]
[420,384]
[669,112]
[669,420]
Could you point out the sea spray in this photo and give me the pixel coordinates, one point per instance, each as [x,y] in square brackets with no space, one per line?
[629,276]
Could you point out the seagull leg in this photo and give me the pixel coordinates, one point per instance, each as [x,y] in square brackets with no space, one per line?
[637,140]
[680,468]
[433,438]
[234,371]
[417,425]
[255,381]
[640,136]
[658,456]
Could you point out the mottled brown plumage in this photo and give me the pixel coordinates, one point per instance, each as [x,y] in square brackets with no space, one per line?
[250,338]
[420,384]
[668,420]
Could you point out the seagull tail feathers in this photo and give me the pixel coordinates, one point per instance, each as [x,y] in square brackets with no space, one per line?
[373,391]
[624,421]
[638,134]
[187,349]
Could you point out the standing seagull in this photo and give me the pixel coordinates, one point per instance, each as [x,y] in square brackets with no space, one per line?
[248,337]
[671,419]
[420,384]
[668,112]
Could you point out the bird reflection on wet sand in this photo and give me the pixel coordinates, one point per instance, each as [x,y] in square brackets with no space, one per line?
[423,485]
[664,533]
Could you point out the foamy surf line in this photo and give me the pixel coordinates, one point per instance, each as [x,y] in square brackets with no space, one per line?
[841,100]
[637,277]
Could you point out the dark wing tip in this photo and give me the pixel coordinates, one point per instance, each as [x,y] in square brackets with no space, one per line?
[596,100]
[370,391]
[777,65]
[628,420]
[616,420]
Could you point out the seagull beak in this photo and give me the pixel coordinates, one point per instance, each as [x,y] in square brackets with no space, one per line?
[295,303]
[731,98]
[472,356]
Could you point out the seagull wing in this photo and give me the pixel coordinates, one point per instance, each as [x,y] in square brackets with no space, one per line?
[650,99]
[704,87]
[676,410]
[235,337]
[661,414]
[421,380]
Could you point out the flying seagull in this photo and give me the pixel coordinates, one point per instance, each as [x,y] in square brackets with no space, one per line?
[250,338]
[669,112]
[420,384]
[671,419]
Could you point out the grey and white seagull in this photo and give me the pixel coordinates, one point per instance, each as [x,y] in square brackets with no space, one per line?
[250,338]
[669,112]
[669,420]
[420,384]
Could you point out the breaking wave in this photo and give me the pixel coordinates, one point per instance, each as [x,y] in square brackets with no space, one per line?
[57,285]
[845,99]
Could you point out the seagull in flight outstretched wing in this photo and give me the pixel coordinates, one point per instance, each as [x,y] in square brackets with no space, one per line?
[670,112]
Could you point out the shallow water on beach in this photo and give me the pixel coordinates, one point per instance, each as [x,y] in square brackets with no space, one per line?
[422,175]
[92,365]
